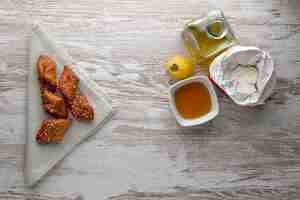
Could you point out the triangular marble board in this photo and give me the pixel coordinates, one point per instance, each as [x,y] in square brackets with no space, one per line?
[39,159]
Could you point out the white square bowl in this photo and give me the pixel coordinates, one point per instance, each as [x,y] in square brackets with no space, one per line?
[203,118]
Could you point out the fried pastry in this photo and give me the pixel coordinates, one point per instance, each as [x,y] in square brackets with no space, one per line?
[46,68]
[54,105]
[68,83]
[81,109]
[52,131]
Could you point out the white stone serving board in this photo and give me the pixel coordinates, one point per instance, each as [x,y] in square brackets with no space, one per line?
[39,159]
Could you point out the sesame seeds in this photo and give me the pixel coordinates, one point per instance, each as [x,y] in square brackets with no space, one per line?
[81,109]
[54,104]
[68,83]
[52,130]
[46,68]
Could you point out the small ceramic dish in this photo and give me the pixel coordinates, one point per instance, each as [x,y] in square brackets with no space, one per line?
[203,118]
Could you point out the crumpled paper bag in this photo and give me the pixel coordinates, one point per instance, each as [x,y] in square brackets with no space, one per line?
[245,74]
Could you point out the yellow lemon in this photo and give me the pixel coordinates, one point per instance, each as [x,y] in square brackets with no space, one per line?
[179,67]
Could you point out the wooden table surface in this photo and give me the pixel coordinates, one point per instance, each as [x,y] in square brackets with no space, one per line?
[245,153]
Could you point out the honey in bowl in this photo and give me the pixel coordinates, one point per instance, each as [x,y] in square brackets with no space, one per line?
[193,100]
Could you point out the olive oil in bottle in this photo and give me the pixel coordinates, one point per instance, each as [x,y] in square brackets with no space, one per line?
[207,37]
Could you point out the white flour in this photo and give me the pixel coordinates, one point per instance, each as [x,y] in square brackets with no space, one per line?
[244,79]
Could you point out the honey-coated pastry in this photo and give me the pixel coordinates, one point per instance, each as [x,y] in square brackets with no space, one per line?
[46,68]
[52,131]
[54,105]
[81,109]
[68,83]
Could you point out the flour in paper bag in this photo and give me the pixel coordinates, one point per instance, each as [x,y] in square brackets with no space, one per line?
[244,79]
[245,74]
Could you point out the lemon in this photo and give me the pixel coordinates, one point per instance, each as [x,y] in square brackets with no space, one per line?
[179,67]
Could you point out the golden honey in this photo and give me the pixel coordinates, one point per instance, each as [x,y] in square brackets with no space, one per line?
[193,100]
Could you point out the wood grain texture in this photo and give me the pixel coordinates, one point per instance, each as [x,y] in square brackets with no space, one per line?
[11,195]
[142,153]
[218,194]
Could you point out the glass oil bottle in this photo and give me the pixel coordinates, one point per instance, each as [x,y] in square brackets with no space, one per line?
[205,38]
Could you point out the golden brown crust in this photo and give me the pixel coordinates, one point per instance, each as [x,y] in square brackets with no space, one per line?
[54,105]
[81,109]
[46,68]
[52,131]
[68,83]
